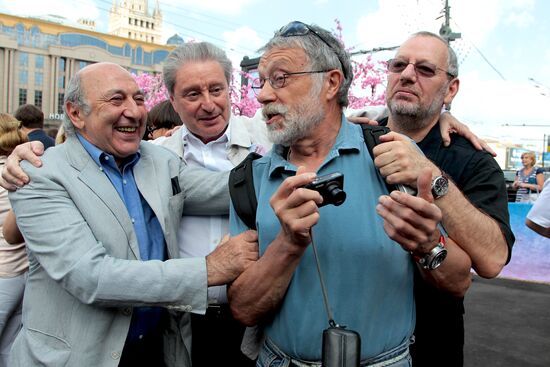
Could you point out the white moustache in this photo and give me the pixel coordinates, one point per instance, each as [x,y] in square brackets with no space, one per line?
[273,109]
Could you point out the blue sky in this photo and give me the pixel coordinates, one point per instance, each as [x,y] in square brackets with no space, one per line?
[504,51]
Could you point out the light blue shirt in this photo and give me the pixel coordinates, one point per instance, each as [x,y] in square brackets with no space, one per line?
[368,276]
[146,225]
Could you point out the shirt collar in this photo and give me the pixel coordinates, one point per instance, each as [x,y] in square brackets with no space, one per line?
[347,140]
[101,158]
[188,136]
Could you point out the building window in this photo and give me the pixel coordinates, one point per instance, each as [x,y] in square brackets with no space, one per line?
[61,81]
[129,34]
[38,79]
[60,98]
[62,65]
[23,77]
[130,21]
[152,39]
[141,23]
[82,64]
[152,25]
[38,98]
[23,59]
[22,96]
[146,24]
[135,21]
[39,61]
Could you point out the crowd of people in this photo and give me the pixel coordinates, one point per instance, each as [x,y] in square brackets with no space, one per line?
[137,257]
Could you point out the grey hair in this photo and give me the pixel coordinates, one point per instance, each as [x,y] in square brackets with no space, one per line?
[192,52]
[74,94]
[319,54]
[452,60]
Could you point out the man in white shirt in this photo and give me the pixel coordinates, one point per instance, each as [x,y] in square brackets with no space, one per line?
[197,77]
[538,218]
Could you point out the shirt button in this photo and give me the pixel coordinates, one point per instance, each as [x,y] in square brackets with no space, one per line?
[140,337]
[124,182]
[106,158]
[115,355]
[133,220]
[101,169]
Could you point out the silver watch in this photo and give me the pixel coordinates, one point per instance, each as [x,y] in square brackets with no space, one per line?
[435,257]
[440,186]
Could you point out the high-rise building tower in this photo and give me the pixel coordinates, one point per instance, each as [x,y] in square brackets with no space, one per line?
[131,19]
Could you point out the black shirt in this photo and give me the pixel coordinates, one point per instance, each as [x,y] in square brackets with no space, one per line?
[439,331]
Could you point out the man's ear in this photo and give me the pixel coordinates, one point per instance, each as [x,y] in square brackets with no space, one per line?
[452,90]
[75,114]
[334,80]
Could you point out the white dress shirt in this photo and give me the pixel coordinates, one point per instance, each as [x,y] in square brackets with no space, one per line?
[199,235]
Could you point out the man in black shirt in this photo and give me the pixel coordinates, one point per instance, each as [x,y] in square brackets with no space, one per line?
[468,187]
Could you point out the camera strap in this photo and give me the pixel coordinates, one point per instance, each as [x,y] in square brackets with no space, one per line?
[330,316]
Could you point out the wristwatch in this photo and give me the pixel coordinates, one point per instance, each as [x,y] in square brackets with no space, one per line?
[435,257]
[440,186]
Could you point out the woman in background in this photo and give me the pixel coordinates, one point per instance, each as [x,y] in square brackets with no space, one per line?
[13,258]
[529,179]
[160,119]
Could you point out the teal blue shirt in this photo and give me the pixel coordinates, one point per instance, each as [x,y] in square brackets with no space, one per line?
[368,276]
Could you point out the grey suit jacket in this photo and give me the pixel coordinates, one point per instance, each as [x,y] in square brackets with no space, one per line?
[84,278]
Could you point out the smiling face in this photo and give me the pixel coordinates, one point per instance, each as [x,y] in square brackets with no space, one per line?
[201,99]
[413,96]
[115,122]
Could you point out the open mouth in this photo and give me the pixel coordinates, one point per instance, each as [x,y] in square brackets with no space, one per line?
[126,129]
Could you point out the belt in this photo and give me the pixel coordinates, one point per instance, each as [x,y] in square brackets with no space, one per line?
[385,359]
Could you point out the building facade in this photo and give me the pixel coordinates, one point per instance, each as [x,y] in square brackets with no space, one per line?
[131,19]
[38,57]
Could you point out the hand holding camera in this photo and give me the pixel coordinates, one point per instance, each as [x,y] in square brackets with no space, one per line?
[330,187]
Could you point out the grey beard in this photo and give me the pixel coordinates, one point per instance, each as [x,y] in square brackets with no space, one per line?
[407,117]
[297,124]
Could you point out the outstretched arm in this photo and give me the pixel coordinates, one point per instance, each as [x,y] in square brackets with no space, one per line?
[475,232]
[412,222]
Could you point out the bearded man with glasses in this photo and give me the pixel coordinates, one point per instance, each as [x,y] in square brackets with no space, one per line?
[422,80]
[304,77]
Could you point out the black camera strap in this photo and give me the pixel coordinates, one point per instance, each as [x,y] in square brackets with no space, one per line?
[330,316]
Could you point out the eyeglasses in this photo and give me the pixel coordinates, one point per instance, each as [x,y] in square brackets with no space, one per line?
[297,28]
[278,79]
[151,129]
[425,69]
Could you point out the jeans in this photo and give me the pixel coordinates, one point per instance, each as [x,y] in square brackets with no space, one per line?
[11,296]
[272,356]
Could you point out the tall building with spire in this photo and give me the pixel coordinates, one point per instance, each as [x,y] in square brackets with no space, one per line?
[132,19]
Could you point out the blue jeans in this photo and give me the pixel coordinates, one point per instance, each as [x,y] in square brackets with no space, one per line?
[272,356]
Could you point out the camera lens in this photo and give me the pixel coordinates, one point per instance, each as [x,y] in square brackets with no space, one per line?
[336,194]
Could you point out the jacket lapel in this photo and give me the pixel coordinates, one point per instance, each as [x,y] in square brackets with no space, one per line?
[92,176]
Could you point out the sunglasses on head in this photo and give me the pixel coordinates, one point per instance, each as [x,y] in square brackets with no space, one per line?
[297,28]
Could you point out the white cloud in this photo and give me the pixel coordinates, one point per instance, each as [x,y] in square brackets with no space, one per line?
[225,7]
[65,8]
[497,108]
[236,39]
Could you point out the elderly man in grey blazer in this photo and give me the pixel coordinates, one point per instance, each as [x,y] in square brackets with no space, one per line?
[100,218]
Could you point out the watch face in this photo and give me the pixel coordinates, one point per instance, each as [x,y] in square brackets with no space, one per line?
[438,259]
[440,186]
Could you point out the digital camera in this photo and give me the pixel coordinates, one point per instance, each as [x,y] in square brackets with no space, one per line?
[330,187]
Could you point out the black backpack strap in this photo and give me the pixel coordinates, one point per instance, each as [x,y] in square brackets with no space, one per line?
[241,190]
[372,138]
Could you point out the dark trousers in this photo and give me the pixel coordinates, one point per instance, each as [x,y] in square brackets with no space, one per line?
[217,339]
[144,353]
